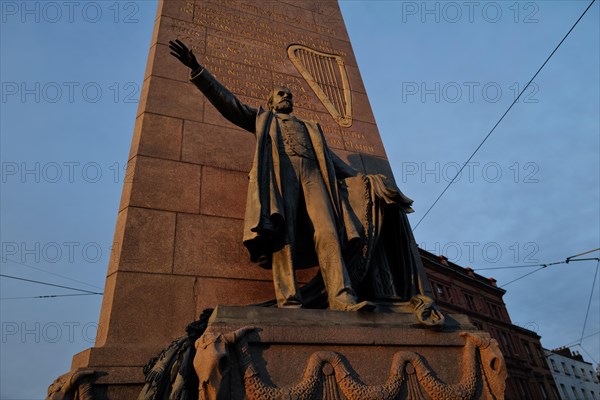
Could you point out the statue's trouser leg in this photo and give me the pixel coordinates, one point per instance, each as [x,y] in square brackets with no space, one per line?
[286,288]
[284,280]
[326,238]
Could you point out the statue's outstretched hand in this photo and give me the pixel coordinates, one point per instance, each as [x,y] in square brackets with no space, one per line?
[181,52]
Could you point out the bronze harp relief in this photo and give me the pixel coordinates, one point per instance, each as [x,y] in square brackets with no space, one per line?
[327,77]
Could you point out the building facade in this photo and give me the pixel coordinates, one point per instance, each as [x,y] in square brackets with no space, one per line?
[461,290]
[575,378]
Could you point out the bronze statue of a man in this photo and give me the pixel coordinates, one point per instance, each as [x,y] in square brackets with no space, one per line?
[293,195]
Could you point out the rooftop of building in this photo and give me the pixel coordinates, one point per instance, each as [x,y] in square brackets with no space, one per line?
[566,352]
[467,272]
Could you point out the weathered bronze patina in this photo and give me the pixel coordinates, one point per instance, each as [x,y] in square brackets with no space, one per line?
[178,238]
[306,207]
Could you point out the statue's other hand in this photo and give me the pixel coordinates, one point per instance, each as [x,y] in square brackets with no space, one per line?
[185,55]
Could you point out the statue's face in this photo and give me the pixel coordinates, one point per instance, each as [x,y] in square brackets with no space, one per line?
[281,100]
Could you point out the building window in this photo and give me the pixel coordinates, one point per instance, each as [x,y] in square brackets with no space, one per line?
[495,311]
[543,391]
[554,367]
[479,325]
[506,344]
[555,392]
[440,290]
[583,375]
[541,355]
[585,396]
[565,369]
[528,352]
[523,388]
[470,302]
[575,396]
[564,390]
[575,372]
[443,292]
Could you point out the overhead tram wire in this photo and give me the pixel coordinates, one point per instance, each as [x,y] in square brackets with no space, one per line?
[577,342]
[581,254]
[521,266]
[542,266]
[503,115]
[523,276]
[48,284]
[48,296]
[566,261]
[586,352]
[587,313]
[537,265]
[6,259]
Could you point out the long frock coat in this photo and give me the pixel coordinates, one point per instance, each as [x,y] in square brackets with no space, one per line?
[265,216]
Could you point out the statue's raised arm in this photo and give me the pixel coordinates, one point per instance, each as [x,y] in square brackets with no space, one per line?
[306,207]
[186,56]
[226,102]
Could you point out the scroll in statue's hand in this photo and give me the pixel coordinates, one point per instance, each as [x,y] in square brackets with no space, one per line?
[185,55]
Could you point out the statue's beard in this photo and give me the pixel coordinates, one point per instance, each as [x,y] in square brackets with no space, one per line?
[284,106]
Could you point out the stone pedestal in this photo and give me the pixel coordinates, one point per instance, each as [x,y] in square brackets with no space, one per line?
[315,354]
[178,236]
[261,353]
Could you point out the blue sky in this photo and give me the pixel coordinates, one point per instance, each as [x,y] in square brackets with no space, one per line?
[438,76]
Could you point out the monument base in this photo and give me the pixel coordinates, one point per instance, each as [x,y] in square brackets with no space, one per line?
[260,353]
[269,353]
[104,373]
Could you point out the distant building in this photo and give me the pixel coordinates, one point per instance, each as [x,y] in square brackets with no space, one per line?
[575,378]
[460,290]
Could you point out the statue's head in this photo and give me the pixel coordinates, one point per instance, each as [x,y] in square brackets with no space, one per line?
[281,100]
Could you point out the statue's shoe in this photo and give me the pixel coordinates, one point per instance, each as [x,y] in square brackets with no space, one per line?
[291,305]
[362,306]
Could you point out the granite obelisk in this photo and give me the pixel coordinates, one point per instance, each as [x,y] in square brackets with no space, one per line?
[177,240]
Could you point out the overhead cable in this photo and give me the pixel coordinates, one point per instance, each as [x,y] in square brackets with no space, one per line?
[577,342]
[566,261]
[587,313]
[5,259]
[48,284]
[503,115]
[49,296]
